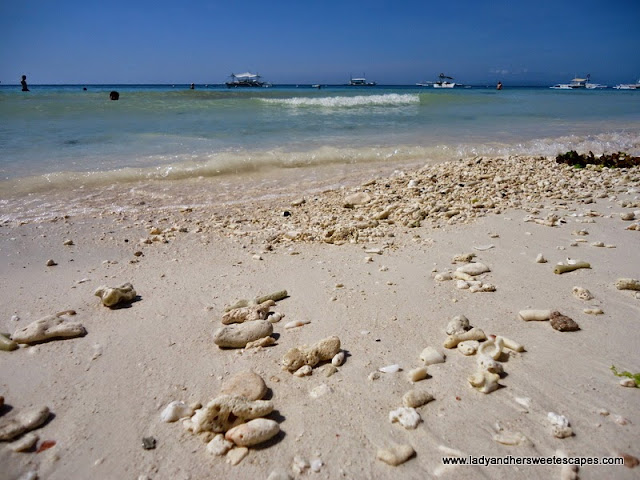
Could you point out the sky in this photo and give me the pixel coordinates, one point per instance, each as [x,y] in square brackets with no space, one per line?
[478,42]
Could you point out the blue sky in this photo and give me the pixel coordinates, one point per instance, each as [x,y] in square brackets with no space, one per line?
[182,41]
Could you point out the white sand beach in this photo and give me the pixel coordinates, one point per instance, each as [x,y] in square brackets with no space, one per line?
[360,263]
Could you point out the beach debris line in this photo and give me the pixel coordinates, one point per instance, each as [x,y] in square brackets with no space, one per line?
[48,328]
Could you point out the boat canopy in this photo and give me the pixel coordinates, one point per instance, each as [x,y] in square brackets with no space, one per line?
[245,75]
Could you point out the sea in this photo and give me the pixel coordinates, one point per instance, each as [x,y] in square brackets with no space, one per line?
[67,149]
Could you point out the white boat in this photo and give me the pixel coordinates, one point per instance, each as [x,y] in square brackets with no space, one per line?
[361,82]
[628,86]
[443,82]
[579,83]
[246,79]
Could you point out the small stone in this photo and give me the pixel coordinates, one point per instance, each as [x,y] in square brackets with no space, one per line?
[51,263]
[255,431]
[328,369]
[338,359]
[540,259]
[416,398]
[245,384]
[395,455]
[630,461]
[148,443]
[22,422]
[628,382]
[218,445]
[68,243]
[627,216]
[562,323]
[417,374]
[236,455]
[24,443]
[299,465]
[303,371]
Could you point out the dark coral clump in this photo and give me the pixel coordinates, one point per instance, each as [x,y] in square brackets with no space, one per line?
[613,160]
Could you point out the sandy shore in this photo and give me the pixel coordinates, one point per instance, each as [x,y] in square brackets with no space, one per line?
[359,263]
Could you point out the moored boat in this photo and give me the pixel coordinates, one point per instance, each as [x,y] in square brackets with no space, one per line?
[628,86]
[361,82]
[579,83]
[246,79]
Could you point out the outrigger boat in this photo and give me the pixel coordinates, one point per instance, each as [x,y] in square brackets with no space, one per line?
[578,83]
[246,79]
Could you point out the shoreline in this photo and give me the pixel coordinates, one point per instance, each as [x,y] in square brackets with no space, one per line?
[358,260]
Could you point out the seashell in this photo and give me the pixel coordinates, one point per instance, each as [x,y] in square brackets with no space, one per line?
[430,356]
[338,359]
[473,269]
[112,296]
[46,328]
[239,334]
[484,381]
[582,293]
[22,422]
[390,368]
[416,398]
[175,411]
[417,374]
[322,351]
[628,382]
[253,432]
[395,455]
[537,315]
[296,323]
[408,417]
[458,324]
[452,341]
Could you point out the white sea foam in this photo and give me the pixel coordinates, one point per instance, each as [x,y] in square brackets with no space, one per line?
[390,99]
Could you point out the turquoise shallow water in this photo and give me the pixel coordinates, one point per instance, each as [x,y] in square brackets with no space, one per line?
[54,135]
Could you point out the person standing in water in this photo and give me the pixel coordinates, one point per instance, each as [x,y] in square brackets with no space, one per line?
[23,82]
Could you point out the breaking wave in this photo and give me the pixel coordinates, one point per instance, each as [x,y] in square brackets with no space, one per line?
[391,99]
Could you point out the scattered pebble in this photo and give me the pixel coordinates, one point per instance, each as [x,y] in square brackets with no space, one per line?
[236,455]
[395,455]
[408,417]
[246,384]
[390,368]
[148,443]
[562,323]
